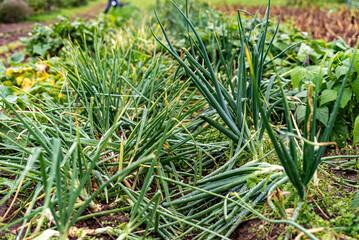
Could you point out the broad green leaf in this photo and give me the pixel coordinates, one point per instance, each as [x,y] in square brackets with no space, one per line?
[337,87]
[8,93]
[323,115]
[41,49]
[347,95]
[340,133]
[302,94]
[300,113]
[356,131]
[333,63]
[355,202]
[297,75]
[280,45]
[304,52]
[341,71]
[251,182]
[16,58]
[330,84]
[328,96]
[3,117]
[340,45]
[356,61]
[355,88]
[316,74]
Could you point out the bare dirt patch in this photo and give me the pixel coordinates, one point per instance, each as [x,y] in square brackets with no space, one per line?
[254,230]
[109,220]
[3,209]
[321,24]
[344,168]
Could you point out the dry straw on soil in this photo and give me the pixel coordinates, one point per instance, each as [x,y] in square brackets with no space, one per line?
[321,24]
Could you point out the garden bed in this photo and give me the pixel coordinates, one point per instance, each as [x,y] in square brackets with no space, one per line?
[208,126]
[320,23]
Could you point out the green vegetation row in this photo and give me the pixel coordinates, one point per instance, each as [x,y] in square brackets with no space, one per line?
[184,119]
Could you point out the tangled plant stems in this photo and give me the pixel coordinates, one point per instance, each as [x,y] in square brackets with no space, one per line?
[228,104]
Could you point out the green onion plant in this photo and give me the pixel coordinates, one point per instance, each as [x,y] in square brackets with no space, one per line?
[232,98]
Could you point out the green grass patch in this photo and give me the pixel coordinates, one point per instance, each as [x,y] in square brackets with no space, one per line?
[70,12]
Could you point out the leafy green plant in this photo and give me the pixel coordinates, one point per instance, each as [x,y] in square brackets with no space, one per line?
[300,170]
[337,65]
[35,78]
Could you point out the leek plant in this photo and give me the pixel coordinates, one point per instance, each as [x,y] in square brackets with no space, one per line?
[134,130]
[204,200]
[60,152]
[104,82]
[244,93]
[56,171]
[232,98]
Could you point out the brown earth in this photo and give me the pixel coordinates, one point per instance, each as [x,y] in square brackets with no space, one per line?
[246,230]
[111,220]
[320,23]
[344,168]
[254,230]
[3,209]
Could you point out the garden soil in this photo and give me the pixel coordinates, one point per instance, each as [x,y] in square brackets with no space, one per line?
[257,229]
[320,24]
